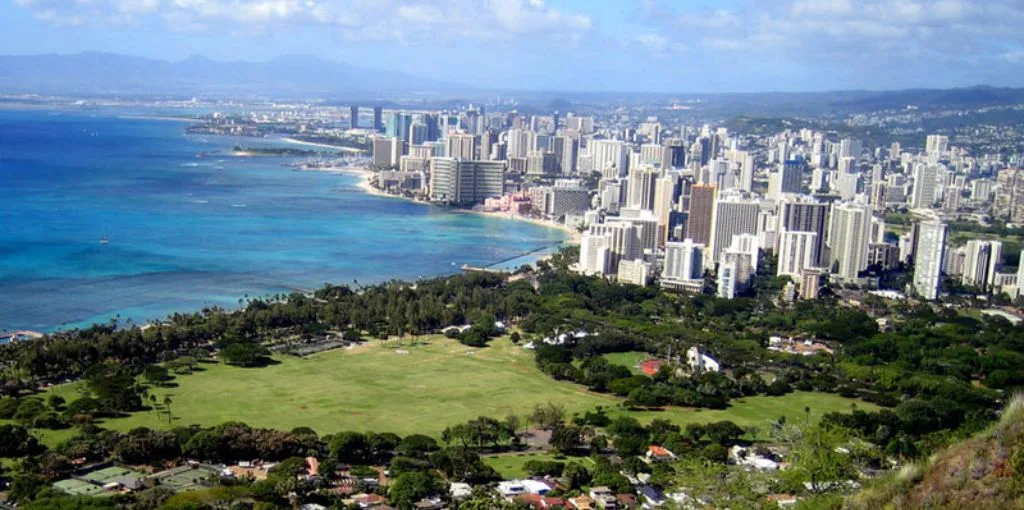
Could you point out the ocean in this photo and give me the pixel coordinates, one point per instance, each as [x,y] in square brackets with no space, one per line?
[189,226]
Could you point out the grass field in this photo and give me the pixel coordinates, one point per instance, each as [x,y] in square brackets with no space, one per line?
[408,389]
[628,359]
[511,465]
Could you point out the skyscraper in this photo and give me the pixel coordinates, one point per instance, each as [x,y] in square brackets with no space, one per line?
[797,252]
[378,119]
[641,187]
[805,215]
[462,146]
[791,176]
[353,115]
[733,215]
[848,239]
[936,145]
[609,157]
[622,242]
[930,254]
[667,192]
[701,214]
[460,181]
[980,263]
[925,176]
[684,261]
[1009,199]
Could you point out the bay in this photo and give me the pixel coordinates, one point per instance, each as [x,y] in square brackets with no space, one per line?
[189,226]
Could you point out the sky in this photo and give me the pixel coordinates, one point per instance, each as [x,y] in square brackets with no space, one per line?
[579,45]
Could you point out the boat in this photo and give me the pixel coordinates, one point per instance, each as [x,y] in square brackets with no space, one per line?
[104,240]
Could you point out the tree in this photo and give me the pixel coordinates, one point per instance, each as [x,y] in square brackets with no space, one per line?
[56,402]
[16,441]
[245,354]
[156,375]
[167,406]
[819,461]
[350,448]
[723,432]
[416,446]
[408,488]
[566,438]
[547,416]
[575,476]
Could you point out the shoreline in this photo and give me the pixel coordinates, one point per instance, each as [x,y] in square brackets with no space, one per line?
[365,174]
[573,234]
[321,145]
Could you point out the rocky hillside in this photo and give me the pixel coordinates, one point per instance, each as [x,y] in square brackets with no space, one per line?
[985,472]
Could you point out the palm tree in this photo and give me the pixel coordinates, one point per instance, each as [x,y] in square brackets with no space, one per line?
[167,404]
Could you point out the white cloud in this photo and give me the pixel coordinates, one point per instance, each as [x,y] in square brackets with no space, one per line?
[941,30]
[658,45]
[360,19]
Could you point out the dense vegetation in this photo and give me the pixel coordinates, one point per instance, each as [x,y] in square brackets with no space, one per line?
[942,375]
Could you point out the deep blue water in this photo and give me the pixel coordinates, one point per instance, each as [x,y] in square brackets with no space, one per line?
[187,231]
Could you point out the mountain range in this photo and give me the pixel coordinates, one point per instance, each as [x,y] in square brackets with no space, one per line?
[286,76]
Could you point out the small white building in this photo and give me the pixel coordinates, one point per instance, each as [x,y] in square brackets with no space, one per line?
[460,490]
[700,362]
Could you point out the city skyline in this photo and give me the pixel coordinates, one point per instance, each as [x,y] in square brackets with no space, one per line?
[570,45]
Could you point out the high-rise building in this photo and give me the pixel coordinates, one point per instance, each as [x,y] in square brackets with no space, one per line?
[727,283]
[675,154]
[810,283]
[635,272]
[640,187]
[609,157]
[797,252]
[518,143]
[850,147]
[1009,199]
[684,261]
[848,239]
[746,182]
[667,192]
[353,116]
[744,253]
[595,254]
[622,242]
[388,152]
[930,253]
[805,215]
[791,176]
[562,200]
[925,179]
[644,223]
[734,214]
[701,213]
[981,262]
[461,146]
[378,119]
[461,181]
[566,149]
[936,145]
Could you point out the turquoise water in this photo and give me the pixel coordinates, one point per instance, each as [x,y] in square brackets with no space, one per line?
[188,230]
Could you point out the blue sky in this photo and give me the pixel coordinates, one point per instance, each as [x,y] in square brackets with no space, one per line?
[603,45]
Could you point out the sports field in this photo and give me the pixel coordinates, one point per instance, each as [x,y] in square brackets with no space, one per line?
[407,389]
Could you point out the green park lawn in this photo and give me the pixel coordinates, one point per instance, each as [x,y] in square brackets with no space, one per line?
[408,389]
[627,359]
[510,465]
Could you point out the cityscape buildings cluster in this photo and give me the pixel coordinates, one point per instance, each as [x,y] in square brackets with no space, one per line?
[698,208]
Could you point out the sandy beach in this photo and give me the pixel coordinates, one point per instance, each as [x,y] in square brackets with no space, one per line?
[574,235]
[366,175]
[322,145]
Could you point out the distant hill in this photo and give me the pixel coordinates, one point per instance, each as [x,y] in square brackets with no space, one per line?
[289,76]
[984,472]
[971,97]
